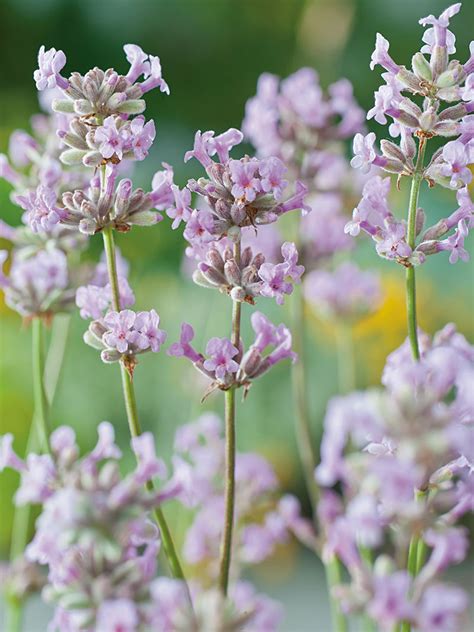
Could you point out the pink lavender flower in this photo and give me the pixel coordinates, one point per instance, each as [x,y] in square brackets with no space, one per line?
[245,183]
[438,34]
[202,148]
[183,347]
[38,284]
[222,144]
[161,192]
[110,139]
[180,211]
[455,243]
[442,609]
[381,57]
[42,212]
[221,353]
[138,61]
[154,77]
[48,74]
[456,159]
[150,335]
[390,603]
[143,135]
[364,153]
[120,334]
[272,171]
[274,280]
[117,614]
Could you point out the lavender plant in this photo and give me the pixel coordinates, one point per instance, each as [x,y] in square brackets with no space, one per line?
[236,195]
[408,486]
[309,128]
[394,479]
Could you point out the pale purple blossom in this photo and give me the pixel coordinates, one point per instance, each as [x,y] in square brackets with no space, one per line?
[50,64]
[390,603]
[220,361]
[364,152]
[272,171]
[438,34]
[143,135]
[381,57]
[180,210]
[245,182]
[120,333]
[183,347]
[42,211]
[455,164]
[110,138]
[223,143]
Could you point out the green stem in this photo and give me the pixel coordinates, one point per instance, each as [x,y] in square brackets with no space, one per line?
[334,578]
[411,238]
[131,409]
[229,493]
[13,614]
[41,413]
[303,433]
[415,549]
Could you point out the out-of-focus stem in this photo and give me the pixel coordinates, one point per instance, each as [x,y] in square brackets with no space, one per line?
[229,493]
[303,433]
[131,409]
[41,414]
[334,578]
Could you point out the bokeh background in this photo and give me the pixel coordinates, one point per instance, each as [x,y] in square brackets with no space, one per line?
[212,52]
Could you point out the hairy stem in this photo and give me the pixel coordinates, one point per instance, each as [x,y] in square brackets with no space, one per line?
[229,498]
[131,408]
[411,237]
[303,433]
[13,614]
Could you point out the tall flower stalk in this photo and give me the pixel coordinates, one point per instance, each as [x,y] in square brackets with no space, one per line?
[131,407]
[237,197]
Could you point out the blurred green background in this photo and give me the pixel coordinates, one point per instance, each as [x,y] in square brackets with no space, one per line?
[212,52]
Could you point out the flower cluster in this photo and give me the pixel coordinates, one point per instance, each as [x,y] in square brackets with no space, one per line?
[295,120]
[346,293]
[251,276]
[416,434]
[39,284]
[104,128]
[228,366]
[236,193]
[108,204]
[445,87]
[93,533]
[124,335]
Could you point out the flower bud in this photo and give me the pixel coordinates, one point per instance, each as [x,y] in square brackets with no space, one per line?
[390,150]
[115,100]
[453,113]
[65,106]
[214,258]
[449,94]
[452,76]
[232,272]
[234,233]
[92,159]
[421,67]
[439,60]
[132,106]
[419,221]
[83,107]
[251,362]
[446,128]
[428,120]
[110,355]
[246,257]
[409,79]
[72,156]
